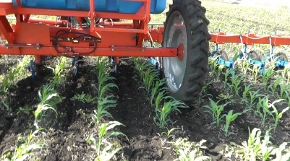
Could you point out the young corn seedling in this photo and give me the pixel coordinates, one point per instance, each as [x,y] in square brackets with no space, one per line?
[236,82]
[150,76]
[141,67]
[26,148]
[160,97]
[255,73]
[268,73]
[277,115]
[230,117]
[245,67]
[216,111]
[264,106]
[158,87]
[104,84]
[14,73]
[246,92]
[273,87]
[284,88]
[105,150]
[219,71]
[227,74]
[253,97]
[58,70]
[286,75]
[104,104]
[161,118]
[48,100]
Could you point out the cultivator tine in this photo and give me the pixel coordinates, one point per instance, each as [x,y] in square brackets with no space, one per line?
[252,57]
[31,68]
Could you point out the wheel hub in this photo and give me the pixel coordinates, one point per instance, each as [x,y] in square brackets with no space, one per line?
[180,52]
[176,36]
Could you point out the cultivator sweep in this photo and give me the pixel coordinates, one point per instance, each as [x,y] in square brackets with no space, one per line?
[280,59]
[113,28]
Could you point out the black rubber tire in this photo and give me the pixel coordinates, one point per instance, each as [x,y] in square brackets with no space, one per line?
[282,56]
[198,38]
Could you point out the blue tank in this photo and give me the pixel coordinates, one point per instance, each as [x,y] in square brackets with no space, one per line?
[121,6]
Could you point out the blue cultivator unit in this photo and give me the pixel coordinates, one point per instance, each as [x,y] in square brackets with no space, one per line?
[280,59]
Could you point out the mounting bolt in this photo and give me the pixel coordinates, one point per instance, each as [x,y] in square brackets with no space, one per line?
[113,47]
[37,46]
[143,50]
[69,49]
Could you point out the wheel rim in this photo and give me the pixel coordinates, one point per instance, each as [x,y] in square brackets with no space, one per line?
[174,67]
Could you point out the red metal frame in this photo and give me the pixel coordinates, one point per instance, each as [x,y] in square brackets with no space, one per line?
[249,39]
[34,36]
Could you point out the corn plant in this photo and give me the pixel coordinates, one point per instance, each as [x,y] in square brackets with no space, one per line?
[230,117]
[268,73]
[104,104]
[150,76]
[159,98]
[286,75]
[278,115]
[246,92]
[253,97]
[24,149]
[216,111]
[105,101]
[244,67]
[161,118]
[158,87]
[273,87]
[14,72]
[219,71]
[189,151]
[58,71]
[264,106]
[105,151]
[255,73]
[284,88]
[236,82]
[104,84]
[48,100]
[227,74]
[141,67]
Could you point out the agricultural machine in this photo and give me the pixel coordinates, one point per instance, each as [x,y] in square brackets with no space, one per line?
[280,60]
[113,28]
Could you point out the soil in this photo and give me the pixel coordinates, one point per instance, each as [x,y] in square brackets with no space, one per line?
[65,136]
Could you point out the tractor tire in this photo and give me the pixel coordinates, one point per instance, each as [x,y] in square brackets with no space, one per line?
[186,29]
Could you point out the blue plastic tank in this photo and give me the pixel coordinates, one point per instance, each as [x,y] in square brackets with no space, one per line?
[121,6]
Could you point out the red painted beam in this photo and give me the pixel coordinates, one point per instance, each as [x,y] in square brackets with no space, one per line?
[113,51]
